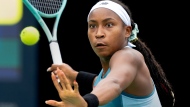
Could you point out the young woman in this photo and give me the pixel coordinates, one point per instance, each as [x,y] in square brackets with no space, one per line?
[130,75]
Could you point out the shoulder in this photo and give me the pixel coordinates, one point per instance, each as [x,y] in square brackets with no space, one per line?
[127,55]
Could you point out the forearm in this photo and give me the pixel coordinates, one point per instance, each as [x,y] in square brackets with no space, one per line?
[107,90]
[103,93]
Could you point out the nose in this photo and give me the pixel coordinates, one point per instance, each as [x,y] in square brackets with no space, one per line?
[100,33]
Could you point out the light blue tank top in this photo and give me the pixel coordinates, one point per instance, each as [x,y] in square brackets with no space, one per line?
[128,100]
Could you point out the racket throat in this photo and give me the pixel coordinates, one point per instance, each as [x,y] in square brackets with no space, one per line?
[52,41]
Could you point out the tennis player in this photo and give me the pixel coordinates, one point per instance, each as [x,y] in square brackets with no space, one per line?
[130,75]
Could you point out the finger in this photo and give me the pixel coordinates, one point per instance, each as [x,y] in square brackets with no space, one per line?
[53,67]
[54,103]
[63,79]
[76,87]
[49,69]
[60,74]
[55,82]
[55,73]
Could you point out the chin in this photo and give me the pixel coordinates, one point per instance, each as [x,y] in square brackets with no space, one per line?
[103,55]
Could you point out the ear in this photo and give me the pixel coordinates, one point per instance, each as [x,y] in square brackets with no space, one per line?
[128,30]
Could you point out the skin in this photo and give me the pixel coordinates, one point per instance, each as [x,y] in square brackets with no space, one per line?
[108,36]
[70,97]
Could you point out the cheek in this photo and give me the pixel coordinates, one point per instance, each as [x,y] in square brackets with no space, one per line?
[90,38]
[117,35]
[90,35]
[118,38]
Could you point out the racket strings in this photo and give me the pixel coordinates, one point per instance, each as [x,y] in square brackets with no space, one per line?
[47,6]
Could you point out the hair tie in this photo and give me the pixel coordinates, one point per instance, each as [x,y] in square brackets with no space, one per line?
[133,37]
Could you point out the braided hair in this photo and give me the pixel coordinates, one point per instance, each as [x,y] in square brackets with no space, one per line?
[163,86]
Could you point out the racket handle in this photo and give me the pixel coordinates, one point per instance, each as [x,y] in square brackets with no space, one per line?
[55,52]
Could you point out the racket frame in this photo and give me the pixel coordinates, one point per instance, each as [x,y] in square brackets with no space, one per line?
[52,37]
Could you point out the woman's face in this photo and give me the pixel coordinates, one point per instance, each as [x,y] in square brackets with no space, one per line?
[107,32]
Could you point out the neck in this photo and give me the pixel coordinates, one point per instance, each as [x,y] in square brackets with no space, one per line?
[105,65]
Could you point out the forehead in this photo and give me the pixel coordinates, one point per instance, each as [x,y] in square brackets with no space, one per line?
[102,13]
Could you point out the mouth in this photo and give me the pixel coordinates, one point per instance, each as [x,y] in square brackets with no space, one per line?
[100,44]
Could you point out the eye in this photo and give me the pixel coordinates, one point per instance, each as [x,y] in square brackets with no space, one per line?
[92,26]
[109,24]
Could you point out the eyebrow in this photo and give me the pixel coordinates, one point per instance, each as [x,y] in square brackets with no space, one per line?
[105,20]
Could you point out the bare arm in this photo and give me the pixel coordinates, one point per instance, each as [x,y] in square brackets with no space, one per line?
[123,71]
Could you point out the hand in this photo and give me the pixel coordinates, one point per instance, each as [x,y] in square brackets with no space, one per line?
[70,97]
[68,71]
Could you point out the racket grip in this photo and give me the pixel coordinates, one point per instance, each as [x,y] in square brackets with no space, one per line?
[55,52]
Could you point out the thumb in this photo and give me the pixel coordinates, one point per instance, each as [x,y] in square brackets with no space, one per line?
[53,103]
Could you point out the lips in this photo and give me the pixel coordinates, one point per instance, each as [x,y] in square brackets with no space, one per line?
[100,44]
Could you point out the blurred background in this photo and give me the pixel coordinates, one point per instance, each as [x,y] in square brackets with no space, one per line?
[24,81]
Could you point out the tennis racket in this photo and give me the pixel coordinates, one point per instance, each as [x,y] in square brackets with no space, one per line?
[48,9]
